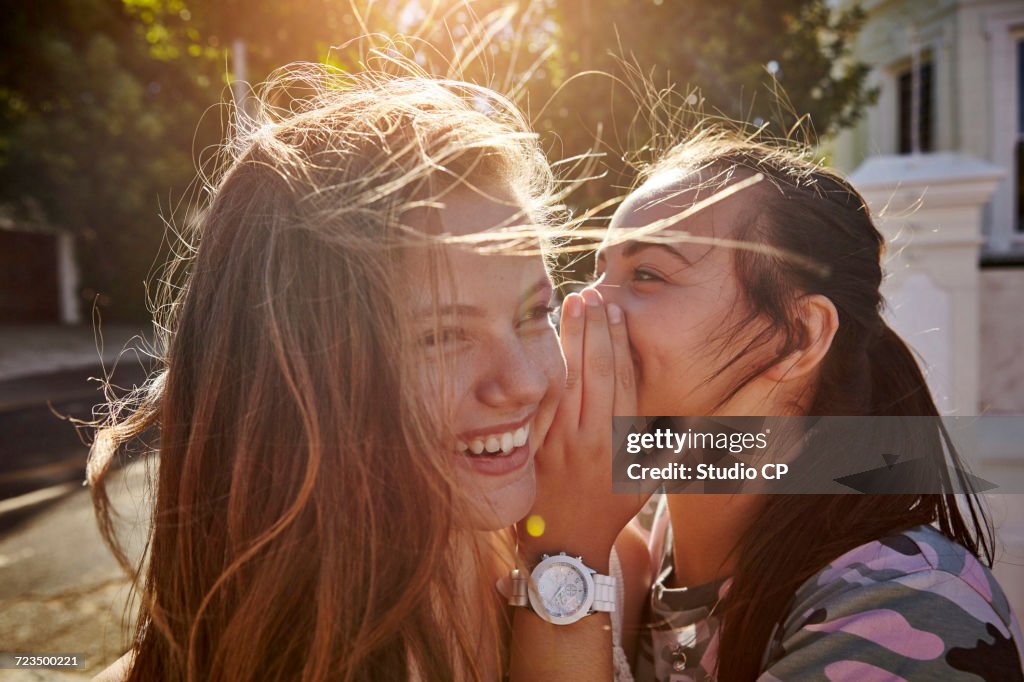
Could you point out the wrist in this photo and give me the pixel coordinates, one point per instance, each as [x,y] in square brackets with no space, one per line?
[563,589]
[595,553]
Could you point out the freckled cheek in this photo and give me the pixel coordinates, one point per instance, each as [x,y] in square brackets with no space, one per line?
[459,388]
[548,355]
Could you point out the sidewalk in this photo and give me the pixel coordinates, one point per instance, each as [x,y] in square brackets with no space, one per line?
[61,591]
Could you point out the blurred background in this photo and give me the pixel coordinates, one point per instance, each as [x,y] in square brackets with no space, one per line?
[109,108]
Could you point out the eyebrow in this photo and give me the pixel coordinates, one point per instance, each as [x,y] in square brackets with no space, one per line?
[634,248]
[461,309]
[542,284]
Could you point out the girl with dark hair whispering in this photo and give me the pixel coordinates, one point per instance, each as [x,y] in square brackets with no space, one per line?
[765,302]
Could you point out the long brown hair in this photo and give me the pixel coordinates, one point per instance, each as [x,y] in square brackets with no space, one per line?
[809,214]
[303,524]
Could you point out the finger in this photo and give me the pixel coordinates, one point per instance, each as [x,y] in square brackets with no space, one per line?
[598,368]
[571,332]
[625,379]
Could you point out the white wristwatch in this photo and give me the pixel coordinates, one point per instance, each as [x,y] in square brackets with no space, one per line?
[562,590]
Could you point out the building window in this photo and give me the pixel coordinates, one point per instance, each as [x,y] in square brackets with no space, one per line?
[925,122]
[1020,137]
[1004,216]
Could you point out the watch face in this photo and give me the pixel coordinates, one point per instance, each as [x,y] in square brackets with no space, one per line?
[563,589]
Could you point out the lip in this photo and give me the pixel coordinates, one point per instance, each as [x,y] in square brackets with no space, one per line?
[498,466]
[467,436]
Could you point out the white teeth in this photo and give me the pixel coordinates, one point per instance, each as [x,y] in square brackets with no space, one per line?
[500,444]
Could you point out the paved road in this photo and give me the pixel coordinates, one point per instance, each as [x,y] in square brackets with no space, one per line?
[39,444]
[60,589]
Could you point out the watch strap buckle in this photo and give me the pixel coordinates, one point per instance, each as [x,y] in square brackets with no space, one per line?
[520,588]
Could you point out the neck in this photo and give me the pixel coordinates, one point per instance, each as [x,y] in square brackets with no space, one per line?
[705,530]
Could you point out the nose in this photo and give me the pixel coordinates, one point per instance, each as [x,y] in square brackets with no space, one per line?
[514,378]
[610,293]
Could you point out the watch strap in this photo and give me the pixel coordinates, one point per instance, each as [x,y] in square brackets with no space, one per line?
[604,593]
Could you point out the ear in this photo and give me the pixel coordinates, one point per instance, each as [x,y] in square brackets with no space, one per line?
[820,321]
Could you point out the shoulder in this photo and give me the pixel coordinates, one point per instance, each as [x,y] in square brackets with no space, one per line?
[918,563]
[913,601]
[117,671]
[635,564]
[634,557]
[634,560]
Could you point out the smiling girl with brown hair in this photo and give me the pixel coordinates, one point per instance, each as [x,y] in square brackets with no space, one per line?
[350,394]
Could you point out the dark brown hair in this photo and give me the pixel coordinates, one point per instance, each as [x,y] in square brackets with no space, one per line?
[303,526]
[823,242]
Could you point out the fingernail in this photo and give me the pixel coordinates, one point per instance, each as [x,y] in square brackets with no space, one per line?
[591,297]
[573,305]
[614,313]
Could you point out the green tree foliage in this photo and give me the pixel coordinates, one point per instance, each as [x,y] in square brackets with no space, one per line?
[107,107]
[785,65]
[97,132]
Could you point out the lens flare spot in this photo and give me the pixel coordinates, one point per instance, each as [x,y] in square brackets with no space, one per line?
[535,525]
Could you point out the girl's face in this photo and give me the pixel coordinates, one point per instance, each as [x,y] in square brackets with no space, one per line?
[682,302]
[502,363]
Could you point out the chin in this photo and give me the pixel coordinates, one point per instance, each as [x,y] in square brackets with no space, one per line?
[504,506]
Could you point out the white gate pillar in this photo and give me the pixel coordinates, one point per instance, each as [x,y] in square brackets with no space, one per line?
[929,208]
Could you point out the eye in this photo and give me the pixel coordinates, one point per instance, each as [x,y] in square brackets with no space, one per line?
[547,313]
[644,274]
[445,336]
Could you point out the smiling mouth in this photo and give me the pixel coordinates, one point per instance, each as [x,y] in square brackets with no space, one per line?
[499,444]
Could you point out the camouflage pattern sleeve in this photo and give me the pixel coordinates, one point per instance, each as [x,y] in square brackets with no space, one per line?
[914,606]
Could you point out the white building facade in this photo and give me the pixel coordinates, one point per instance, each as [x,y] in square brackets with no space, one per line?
[971,56]
[940,158]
